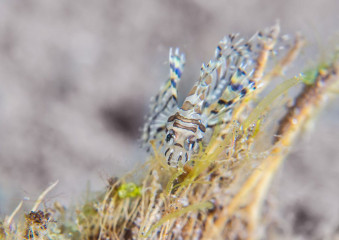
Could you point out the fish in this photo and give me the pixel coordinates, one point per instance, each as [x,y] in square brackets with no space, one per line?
[233,73]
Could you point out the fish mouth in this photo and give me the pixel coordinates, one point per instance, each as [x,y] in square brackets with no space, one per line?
[176,156]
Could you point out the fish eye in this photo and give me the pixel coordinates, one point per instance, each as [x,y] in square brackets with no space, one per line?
[168,137]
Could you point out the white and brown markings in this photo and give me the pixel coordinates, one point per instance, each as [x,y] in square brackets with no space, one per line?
[233,73]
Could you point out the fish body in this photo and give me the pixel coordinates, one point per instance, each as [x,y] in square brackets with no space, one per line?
[223,82]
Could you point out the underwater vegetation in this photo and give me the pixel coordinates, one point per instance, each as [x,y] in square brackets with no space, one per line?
[212,159]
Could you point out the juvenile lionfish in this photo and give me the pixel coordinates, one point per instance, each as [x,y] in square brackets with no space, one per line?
[234,72]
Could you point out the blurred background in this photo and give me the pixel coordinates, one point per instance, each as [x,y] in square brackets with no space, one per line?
[76,78]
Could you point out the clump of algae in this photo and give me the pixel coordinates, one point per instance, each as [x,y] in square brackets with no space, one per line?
[220,196]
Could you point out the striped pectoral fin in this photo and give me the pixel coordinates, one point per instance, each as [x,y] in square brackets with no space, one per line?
[177,63]
[169,88]
[238,67]
[232,62]
[165,102]
[216,75]
[223,117]
[223,108]
[220,112]
[245,61]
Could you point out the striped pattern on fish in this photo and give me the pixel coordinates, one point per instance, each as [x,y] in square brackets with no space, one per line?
[234,72]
